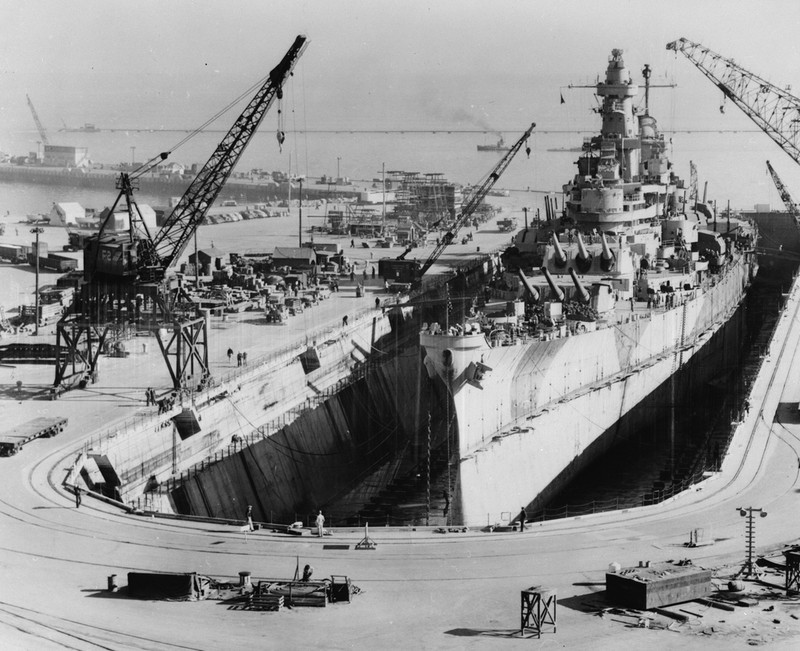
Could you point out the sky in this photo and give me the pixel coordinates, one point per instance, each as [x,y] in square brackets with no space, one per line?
[385,64]
[87,57]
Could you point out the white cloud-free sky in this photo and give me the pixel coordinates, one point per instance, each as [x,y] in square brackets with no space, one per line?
[365,55]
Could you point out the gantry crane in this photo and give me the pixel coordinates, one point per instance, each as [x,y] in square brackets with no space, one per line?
[775,110]
[791,206]
[128,283]
[411,271]
[39,126]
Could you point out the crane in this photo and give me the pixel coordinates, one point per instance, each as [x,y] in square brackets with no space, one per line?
[127,284]
[775,110]
[39,127]
[791,206]
[156,254]
[409,271]
[474,199]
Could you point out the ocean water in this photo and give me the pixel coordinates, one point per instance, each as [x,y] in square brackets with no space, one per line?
[732,163]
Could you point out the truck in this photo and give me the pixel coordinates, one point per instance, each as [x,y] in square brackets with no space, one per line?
[12,441]
[54,262]
[15,253]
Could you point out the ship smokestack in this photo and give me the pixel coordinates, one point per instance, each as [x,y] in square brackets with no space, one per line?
[607,256]
[532,291]
[557,292]
[584,259]
[583,295]
[560,258]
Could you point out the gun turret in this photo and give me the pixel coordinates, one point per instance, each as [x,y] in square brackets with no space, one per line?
[532,291]
[560,258]
[607,259]
[557,292]
[583,295]
[584,259]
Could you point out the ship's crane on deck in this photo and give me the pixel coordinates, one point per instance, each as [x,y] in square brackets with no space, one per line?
[39,126]
[791,206]
[410,271]
[127,275]
[775,110]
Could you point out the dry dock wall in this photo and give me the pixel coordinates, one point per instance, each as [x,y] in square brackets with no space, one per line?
[139,455]
[327,455]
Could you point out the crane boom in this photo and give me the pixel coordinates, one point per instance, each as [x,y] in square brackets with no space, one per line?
[193,206]
[474,199]
[39,126]
[775,110]
[791,206]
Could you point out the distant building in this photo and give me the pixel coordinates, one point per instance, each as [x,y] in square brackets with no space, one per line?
[61,156]
[294,257]
[66,214]
[210,258]
[120,220]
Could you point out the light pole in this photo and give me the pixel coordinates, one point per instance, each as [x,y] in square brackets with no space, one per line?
[338,160]
[36,231]
[749,570]
[133,156]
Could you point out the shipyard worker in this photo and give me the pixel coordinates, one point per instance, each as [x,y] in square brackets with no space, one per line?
[307,572]
[320,524]
[344,320]
[377,304]
[238,359]
[352,244]
[78,497]
[244,358]
[250,517]
[523,516]
[230,354]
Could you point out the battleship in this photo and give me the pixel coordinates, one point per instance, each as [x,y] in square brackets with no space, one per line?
[628,293]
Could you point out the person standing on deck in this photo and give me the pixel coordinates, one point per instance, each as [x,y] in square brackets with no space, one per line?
[320,524]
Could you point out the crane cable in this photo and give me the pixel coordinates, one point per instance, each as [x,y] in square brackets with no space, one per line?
[152,162]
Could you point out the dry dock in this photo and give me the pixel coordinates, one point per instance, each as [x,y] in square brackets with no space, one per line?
[421,589]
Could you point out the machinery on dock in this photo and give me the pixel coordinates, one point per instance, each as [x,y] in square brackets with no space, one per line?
[127,272]
[791,206]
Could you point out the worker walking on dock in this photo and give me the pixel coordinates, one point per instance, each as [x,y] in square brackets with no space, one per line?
[250,517]
[523,516]
[320,524]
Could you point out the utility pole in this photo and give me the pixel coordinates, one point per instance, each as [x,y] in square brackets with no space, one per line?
[133,156]
[300,221]
[36,231]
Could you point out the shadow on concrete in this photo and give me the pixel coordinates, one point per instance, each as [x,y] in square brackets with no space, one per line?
[483,632]
[591,602]
[26,392]
[105,593]
[787,413]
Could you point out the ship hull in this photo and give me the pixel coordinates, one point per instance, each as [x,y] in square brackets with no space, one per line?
[544,408]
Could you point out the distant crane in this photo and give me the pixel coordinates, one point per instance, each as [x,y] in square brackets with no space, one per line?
[791,206]
[775,110]
[39,127]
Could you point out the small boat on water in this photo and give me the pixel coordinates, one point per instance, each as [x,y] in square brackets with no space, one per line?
[500,145]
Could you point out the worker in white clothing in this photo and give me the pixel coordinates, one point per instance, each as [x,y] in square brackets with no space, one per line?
[320,524]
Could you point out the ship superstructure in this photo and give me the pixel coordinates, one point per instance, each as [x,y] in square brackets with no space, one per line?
[613,299]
